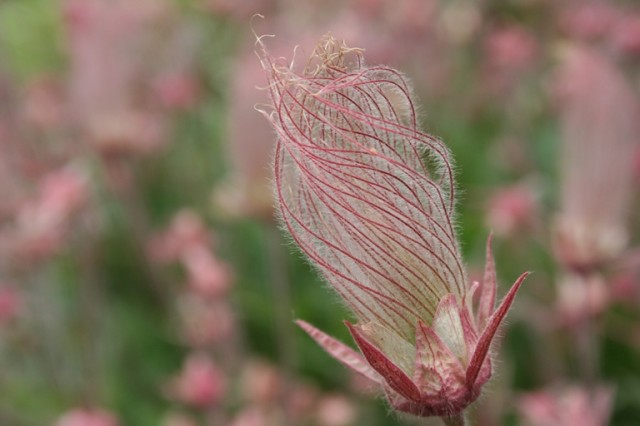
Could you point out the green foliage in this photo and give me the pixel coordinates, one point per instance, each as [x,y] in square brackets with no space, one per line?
[30,37]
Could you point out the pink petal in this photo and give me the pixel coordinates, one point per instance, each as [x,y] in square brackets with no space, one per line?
[448,326]
[468,329]
[482,348]
[341,352]
[394,376]
[398,350]
[435,365]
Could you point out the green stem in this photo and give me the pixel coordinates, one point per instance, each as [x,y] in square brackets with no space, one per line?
[282,302]
[456,420]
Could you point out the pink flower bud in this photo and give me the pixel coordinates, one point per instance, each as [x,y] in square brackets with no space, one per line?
[176,90]
[625,36]
[335,410]
[205,273]
[512,209]
[511,48]
[44,104]
[185,231]
[246,193]
[87,417]
[204,321]
[108,70]
[10,303]
[126,131]
[41,223]
[369,198]
[200,383]
[510,52]
[600,127]
[587,20]
[572,406]
[261,383]
[301,401]
[581,297]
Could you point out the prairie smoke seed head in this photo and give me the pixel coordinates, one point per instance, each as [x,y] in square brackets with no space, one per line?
[369,198]
[599,120]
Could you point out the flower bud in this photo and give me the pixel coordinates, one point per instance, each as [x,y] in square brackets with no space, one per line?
[369,198]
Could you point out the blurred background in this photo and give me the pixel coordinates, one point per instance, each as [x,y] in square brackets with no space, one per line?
[143,280]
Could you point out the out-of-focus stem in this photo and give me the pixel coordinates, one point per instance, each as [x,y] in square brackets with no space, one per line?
[587,349]
[92,304]
[282,303]
[215,416]
[457,420]
[46,330]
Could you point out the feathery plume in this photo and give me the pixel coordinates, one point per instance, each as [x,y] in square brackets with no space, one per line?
[369,198]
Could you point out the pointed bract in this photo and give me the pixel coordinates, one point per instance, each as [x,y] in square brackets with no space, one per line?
[341,352]
[393,374]
[487,299]
[484,343]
